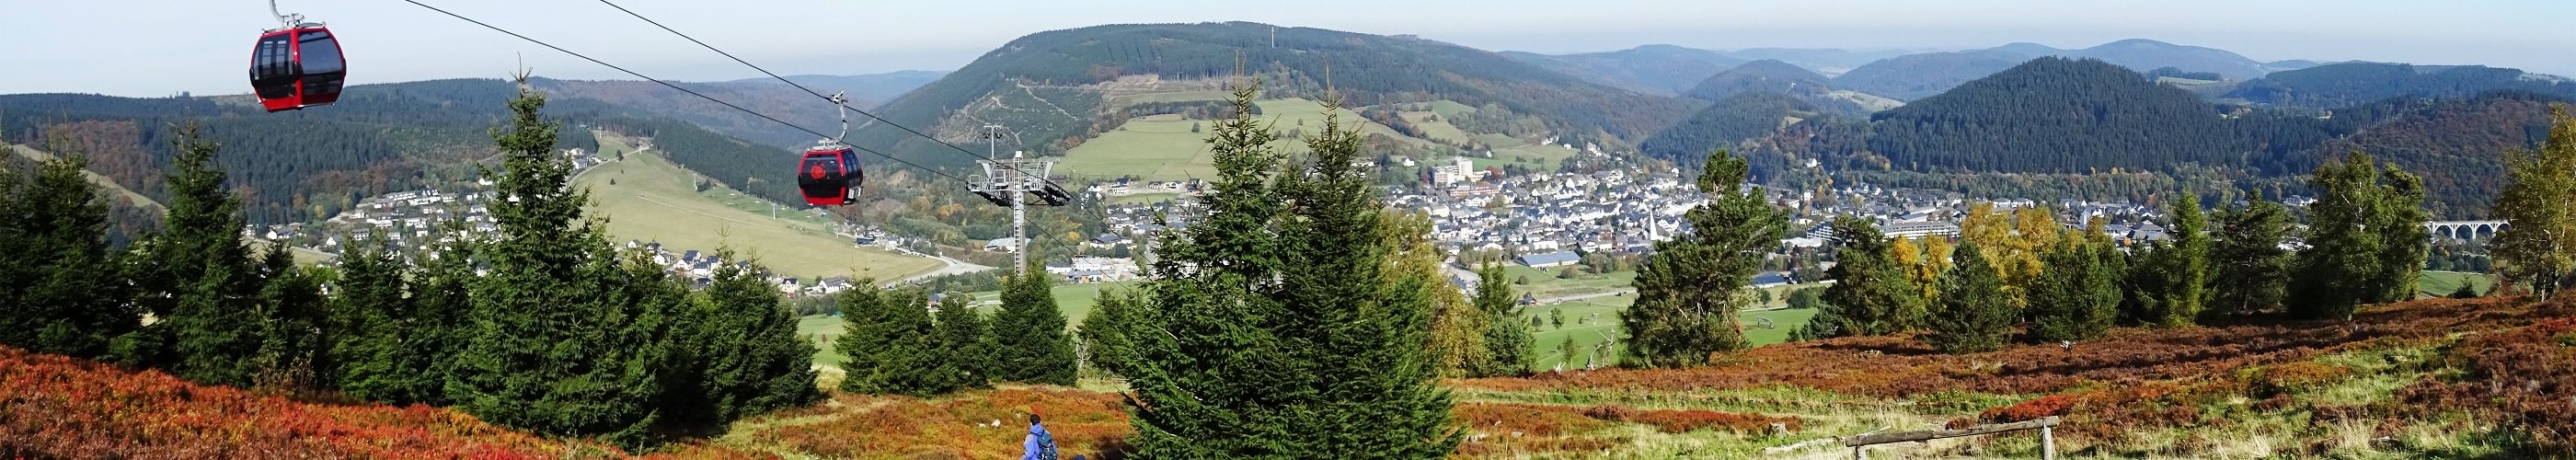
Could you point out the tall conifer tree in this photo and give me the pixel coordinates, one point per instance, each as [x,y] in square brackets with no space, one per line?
[62,293]
[1509,344]
[1030,342]
[742,356]
[1873,294]
[2252,270]
[1974,315]
[1277,328]
[197,275]
[569,339]
[1689,292]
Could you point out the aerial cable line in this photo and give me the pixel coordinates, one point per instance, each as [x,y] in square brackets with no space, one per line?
[808,90]
[684,90]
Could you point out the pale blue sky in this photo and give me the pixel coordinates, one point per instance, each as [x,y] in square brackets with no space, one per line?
[161,47]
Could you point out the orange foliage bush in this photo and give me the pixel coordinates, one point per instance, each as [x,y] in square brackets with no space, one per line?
[2033,409]
[58,407]
[961,426]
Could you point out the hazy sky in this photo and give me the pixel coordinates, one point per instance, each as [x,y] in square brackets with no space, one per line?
[161,47]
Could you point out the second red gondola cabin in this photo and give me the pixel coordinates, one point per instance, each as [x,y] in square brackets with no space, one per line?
[830,176]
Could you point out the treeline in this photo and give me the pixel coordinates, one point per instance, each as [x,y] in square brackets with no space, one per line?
[2021,275]
[897,344]
[2351,83]
[297,165]
[545,328]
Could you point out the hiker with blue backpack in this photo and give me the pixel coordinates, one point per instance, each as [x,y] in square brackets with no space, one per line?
[1039,445]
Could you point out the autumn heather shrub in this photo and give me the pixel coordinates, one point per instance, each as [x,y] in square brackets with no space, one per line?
[2034,409]
[58,407]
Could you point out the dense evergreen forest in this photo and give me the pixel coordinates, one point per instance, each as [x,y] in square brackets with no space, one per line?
[2340,85]
[2056,127]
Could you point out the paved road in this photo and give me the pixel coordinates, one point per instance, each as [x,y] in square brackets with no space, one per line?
[1596,295]
[954,267]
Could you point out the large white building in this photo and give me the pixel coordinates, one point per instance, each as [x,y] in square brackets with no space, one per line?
[1460,169]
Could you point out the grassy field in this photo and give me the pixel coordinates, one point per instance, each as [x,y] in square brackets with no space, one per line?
[1183,96]
[1439,130]
[1544,283]
[2440,284]
[647,198]
[1161,147]
[1590,321]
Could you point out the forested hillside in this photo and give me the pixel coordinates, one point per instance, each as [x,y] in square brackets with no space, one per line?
[1916,76]
[292,165]
[2084,118]
[1732,120]
[1047,86]
[1662,70]
[2056,115]
[2339,85]
[1766,75]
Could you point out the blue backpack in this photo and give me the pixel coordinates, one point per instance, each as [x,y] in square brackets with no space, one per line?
[1046,446]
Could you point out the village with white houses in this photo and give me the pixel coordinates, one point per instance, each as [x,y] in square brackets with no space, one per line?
[1539,219]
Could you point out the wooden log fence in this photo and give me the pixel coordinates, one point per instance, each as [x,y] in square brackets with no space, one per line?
[2046,426]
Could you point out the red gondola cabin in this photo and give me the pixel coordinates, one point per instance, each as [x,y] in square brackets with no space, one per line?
[297,67]
[830,176]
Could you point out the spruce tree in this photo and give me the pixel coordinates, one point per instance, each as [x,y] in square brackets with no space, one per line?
[2252,270]
[2181,270]
[1690,290]
[1277,329]
[1509,345]
[443,319]
[892,345]
[61,293]
[569,338]
[1030,343]
[1974,316]
[196,275]
[2075,296]
[295,335]
[1105,343]
[750,358]
[1873,294]
[2538,247]
[375,322]
[963,342]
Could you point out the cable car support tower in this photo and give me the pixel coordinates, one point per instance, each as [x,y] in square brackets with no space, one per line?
[1013,182]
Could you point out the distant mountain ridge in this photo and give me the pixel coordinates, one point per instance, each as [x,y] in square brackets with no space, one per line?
[1050,86]
[2335,85]
[1652,69]
[1913,75]
[1767,75]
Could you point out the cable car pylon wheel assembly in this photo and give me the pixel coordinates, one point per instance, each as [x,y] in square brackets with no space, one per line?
[296,65]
